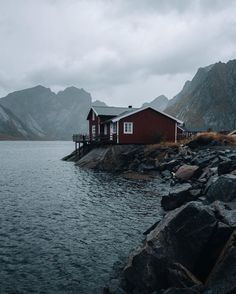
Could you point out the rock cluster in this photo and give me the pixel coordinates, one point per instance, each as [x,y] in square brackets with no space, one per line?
[193,248]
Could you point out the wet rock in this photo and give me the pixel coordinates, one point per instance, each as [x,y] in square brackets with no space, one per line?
[169,165]
[166,174]
[203,160]
[223,188]
[181,277]
[223,276]
[180,238]
[225,167]
[225,213]
[178,196]
[186,172]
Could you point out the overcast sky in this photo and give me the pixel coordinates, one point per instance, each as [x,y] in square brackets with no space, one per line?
[121,51]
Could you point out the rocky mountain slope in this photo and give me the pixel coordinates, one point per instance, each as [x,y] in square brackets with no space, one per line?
[11,127]
[159,103]
[48,115]
[209,100]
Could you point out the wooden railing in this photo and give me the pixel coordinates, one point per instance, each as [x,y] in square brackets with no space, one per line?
[81,138]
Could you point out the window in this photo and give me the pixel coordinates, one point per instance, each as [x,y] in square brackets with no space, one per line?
[128,128]
[114,128]
[93,116]
[105,129]
[93,131]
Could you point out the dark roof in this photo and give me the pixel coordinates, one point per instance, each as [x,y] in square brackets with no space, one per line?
[111,111]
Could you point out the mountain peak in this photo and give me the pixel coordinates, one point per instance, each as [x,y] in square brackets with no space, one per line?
[159,103]
[209,100]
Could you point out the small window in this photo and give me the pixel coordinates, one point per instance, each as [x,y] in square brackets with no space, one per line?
[93,116]
[93,131]
[128,128]
[114,128]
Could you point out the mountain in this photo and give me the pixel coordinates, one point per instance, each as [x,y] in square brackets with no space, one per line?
[11,127]
[98,103]
[48,115]
[159,103]
[209,100]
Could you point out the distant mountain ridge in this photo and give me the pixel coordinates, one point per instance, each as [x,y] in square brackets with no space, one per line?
[47,115]
[159,103]
[209,100]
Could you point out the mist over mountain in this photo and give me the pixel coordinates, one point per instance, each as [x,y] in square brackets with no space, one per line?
[98,103]
[48,115]
[209,100]
[159,103]
[11,127]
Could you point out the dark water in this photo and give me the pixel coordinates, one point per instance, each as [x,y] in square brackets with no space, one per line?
[63,228]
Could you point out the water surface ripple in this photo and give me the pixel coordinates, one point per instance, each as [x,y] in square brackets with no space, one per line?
[62,228]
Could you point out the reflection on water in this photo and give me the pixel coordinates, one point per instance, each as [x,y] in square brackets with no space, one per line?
[62,228]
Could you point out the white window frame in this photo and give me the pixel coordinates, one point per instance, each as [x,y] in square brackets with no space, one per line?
[93,131]
[114,128]
[128,128]
[93,116]
[105,130]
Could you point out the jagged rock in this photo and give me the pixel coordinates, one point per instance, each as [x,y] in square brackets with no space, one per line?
[181,237]
[166,174]
[222,279]
[169,165]
[225,167]
[223,188]
[186,172]
[178,196]
[181,277]
[225,213]
[203,161]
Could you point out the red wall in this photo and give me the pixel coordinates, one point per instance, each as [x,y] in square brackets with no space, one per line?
[147,124]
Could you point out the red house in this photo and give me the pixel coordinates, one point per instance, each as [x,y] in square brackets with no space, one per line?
[122,125]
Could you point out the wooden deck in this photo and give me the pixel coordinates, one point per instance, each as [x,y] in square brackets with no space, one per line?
[83,142]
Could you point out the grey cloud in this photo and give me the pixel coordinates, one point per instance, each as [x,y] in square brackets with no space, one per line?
[113,48]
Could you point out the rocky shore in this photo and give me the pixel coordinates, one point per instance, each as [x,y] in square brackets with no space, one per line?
[193,248]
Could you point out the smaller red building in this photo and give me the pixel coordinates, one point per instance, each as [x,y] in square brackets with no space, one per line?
[122,125]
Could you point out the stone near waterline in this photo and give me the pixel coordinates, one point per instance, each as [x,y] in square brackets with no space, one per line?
[178,196]
[180,238]
[186,172]
[223,188]
[222,279]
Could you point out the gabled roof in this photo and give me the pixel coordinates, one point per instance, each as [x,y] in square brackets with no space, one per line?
[121,116]
[110,110]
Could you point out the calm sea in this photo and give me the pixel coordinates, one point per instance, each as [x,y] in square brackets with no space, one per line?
[62,228]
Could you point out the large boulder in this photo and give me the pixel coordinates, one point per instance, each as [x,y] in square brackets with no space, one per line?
[224,189]
[178,196]
[222,279]
[186,172]
[177,242]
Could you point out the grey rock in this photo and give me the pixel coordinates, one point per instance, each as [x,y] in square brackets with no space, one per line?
[186,172]
[223,188]
[178,196]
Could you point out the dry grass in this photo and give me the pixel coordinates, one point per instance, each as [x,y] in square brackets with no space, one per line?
[208,137]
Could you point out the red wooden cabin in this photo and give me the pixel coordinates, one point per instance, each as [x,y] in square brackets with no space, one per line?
[121,125]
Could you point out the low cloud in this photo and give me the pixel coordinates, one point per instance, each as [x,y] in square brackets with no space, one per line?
[120,50]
